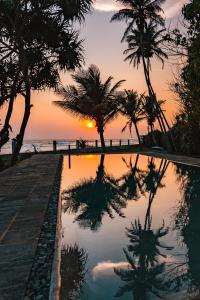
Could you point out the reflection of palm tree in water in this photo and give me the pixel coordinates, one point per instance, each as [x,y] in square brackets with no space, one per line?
[91,199]
[73,263]
[153,182]
[130,183]
[144,274]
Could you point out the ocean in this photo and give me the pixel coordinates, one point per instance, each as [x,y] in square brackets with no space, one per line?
[39,146]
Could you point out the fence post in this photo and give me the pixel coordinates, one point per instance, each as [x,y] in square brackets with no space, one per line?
[69,155]
[77,144]
[110,143]
[13,145]
[54,146]
[128,142]
[96,143]
[120,143]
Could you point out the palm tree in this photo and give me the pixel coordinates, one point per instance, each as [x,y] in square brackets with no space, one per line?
[72,271]
[143,46]
[145,274]
[92,98]
[130,182]
[139,13]
[94,198]
[143,18]
[132,109]
[141,280]
[44,43]
[150,113]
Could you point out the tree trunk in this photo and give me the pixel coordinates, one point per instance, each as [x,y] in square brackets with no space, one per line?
[101,134]
[152,94]
[4,133]
[138,135]
[153,136]
[100,170]
[20,136]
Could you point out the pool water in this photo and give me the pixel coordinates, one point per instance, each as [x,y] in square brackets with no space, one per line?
[130,229]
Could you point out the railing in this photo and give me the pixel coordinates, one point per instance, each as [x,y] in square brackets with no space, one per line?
[65,145]
[91,144]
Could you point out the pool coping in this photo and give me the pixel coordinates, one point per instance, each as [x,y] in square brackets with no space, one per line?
[55,284]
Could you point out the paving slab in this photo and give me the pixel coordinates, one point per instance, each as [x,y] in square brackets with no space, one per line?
[25,190]
[185,160]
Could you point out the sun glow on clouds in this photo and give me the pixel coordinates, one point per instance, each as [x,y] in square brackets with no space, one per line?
[171,7]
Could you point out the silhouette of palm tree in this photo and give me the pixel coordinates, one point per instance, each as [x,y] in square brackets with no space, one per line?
[93,198]
[145,273]
[132,109]
[145,242]
[139,13]
[73,270]
[140,280]
[92,98]
[130,183]
[144,40]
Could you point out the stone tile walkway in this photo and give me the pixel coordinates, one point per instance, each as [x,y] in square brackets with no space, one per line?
[25,190]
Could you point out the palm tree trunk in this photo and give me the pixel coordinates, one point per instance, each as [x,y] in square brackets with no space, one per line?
[100,170]
[153,136]
[152,93]
[162,170]
[4,133]
[101,134]
[138,135]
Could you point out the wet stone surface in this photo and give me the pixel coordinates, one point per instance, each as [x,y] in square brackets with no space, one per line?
[25,196]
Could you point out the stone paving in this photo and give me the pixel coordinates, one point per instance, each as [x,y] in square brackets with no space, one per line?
[25,190]
[186,160]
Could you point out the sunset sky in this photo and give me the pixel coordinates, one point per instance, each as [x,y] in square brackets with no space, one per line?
[103,48]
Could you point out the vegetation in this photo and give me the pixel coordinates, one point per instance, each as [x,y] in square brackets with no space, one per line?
[73,270]
[187,126]
[144,38]
[94,198]
[37,38]
[92,98]
[131,107]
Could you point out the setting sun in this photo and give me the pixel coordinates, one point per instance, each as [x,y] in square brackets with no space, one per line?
[90,124]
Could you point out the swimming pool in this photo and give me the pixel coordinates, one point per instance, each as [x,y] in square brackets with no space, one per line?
[130,228]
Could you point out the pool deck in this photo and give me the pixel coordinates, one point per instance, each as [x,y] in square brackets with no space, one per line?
[25,190]
[186,160]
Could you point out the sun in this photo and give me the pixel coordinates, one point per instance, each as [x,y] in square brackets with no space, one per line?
[90,124]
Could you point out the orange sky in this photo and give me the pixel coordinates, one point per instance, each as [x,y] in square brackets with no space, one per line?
[103,48]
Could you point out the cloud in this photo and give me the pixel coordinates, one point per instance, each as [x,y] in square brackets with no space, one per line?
[107,268]
[171,7]
[106,5]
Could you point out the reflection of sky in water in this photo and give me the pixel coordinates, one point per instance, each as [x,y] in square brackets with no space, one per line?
[104,245]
